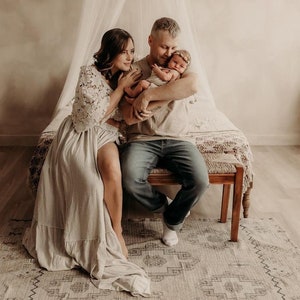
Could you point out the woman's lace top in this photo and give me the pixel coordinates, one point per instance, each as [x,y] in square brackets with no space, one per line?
[91,99]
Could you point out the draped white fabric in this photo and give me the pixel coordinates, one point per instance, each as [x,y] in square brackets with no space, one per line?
[137,17]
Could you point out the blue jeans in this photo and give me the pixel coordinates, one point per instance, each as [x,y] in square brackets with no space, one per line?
[182,158]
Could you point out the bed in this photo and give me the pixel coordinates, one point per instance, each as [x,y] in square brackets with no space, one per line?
[212,130]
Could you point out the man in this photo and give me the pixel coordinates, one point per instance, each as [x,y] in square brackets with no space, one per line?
[158,134]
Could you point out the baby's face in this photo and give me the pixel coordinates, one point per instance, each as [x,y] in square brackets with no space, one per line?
[177,63]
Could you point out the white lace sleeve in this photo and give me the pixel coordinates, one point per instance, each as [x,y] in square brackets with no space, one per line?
[91,99]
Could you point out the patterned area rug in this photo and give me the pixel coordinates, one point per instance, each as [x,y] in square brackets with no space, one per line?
[264,264]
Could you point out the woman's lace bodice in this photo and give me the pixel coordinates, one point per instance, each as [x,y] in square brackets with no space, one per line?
[91,99]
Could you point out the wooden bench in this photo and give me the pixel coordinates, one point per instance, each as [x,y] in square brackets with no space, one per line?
[222,169]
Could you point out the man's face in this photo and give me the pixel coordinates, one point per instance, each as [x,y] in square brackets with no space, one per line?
[162,45]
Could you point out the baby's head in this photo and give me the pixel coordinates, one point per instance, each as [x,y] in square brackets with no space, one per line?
[180,60]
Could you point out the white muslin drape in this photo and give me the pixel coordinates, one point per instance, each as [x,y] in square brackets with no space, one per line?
[137,17]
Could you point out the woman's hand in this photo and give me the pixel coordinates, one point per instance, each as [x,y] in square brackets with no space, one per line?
[129,79]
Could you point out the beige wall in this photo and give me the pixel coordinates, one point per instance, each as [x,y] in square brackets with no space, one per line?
[251,52]
[36,45]
[250,49]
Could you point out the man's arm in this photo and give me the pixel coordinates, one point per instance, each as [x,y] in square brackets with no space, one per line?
[131,116]
[179,89]
[152,99]
[184,87]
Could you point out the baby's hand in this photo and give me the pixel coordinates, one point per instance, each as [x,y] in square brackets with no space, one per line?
[155,67]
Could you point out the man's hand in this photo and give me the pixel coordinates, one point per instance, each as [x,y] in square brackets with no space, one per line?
[139,113]
[140,103]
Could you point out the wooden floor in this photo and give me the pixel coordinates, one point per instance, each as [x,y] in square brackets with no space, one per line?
[276,191]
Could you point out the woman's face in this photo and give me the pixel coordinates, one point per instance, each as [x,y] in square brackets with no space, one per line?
[124,60]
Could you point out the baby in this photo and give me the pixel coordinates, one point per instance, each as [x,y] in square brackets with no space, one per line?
[177,65]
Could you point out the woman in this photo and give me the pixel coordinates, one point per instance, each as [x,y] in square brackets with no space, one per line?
[78,208]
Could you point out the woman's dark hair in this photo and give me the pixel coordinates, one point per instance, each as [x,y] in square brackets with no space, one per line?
[113,43]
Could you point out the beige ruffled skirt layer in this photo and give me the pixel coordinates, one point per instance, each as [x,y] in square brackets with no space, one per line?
[71,226]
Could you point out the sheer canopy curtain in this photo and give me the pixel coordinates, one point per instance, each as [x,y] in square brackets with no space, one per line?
[137,17]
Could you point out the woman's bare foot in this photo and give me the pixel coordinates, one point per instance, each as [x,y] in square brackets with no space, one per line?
[123,245]
[122,242]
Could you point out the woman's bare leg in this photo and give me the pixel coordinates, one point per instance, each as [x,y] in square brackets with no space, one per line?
[109,167]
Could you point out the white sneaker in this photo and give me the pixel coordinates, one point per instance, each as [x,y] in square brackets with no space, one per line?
[169,237]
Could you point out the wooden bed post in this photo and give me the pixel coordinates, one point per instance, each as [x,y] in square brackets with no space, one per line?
[246,200]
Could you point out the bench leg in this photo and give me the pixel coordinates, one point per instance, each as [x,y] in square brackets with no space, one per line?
[225,201]
[246,200]
[236,204]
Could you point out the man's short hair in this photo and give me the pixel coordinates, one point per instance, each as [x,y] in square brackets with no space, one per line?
[167,24]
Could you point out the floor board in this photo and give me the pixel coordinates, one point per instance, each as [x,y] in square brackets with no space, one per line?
[276,191]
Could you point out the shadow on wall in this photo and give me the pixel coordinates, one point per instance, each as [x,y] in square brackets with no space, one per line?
[27,109]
